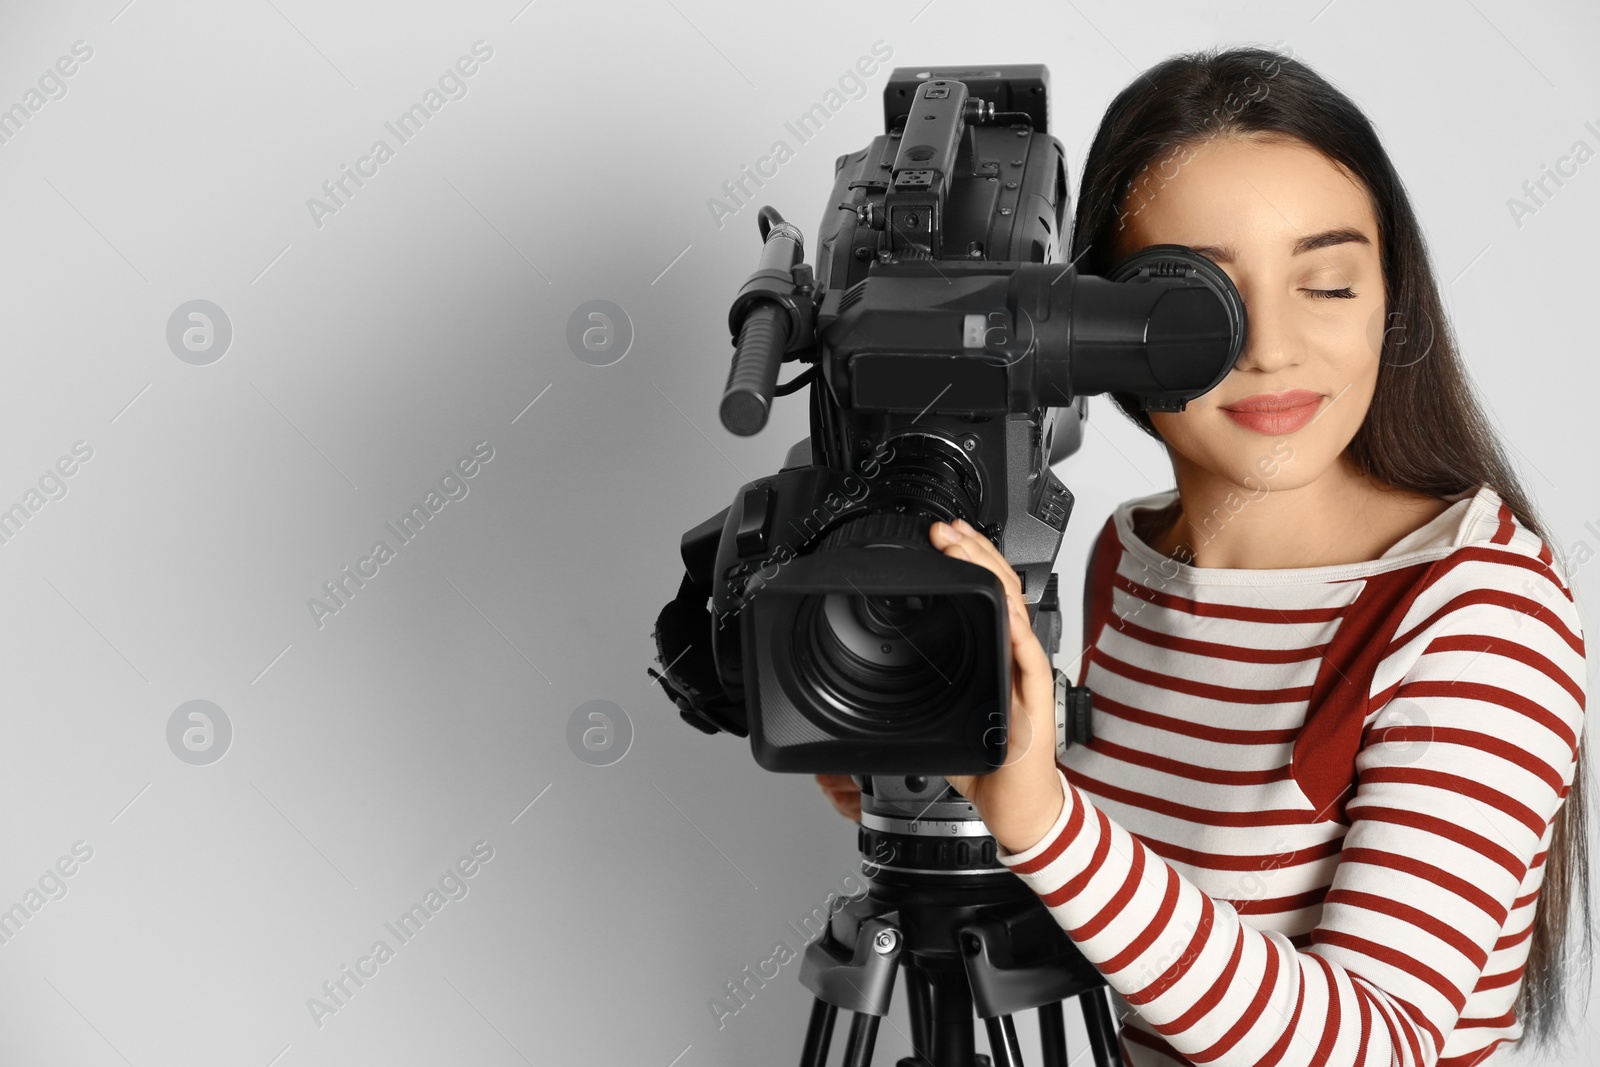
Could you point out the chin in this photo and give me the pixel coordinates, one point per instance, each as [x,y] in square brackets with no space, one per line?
[1277,464]
[1277,475]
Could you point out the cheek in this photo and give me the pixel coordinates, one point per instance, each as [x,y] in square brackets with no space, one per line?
[1376,322]
[1181,430]
[1361,352]
[1344,351]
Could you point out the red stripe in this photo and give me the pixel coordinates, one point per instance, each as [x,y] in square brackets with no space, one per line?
[1074,885]
[1185,728]
[1216,649]
[1415,1018]
[1180,966]
[1396,959]
[1472,1059]
[1273,1055]
[1296,694]
[1212,996]
[1401,1019]
[1499,981]
[1366,1018]
[1069,833]
[1251,1015]
[1119,900]
[1500,599]
[1491,694]
[1204,816]
[1445,880]
[1478,554]
[1330,1029]
[1454,783]
[1502,535]
[1415,916]
[1151,1042]
[1450,831]
[1502,646]
[1156,926]
[1185,769]
[1276,905]
[1237,612]
[1509,940]
[1492,746]
[1363,994]
[1218,862]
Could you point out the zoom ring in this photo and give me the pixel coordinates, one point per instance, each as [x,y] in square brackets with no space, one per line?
[900,528]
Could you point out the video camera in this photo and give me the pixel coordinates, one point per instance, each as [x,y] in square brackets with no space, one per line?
[950,354]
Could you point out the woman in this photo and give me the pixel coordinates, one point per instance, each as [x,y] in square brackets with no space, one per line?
[1333,809]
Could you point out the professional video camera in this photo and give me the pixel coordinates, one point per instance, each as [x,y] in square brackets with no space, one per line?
[951,355]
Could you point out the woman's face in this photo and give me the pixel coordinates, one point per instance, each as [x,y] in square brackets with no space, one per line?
[1297,237]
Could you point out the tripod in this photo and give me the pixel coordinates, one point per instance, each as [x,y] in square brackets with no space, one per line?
[967,933]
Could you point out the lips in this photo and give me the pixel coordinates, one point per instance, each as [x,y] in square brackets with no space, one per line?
[1285,401]
[1275,414]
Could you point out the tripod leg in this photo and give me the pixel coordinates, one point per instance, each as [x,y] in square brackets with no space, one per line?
[863,1035]
[952,1037]
[1052,1035]
[1003,1048]
[919,1001]
[1102,1030]
[819,1034]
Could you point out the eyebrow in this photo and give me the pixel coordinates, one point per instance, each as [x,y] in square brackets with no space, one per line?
[1338,236]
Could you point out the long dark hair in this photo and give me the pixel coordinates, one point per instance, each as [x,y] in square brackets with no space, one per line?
[1424,430]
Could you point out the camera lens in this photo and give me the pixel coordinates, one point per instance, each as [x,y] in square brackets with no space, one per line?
[884,661]
[886,615]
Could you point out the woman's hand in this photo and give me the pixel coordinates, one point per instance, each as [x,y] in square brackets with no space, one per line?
[845,794]
[1021,799]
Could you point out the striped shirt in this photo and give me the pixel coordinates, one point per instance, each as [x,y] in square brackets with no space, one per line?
[1312,823]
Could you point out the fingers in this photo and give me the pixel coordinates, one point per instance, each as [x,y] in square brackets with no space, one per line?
[991,557]
[974,547]
[1025,645]
[1031,722]
[1037,679]
[980,550]
[962,541]
[962,783]
[842,793]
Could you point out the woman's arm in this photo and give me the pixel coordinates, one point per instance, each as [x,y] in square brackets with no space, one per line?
[1447,818]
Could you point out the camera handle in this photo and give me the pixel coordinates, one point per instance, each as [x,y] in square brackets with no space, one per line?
[772,315]
[1074,704]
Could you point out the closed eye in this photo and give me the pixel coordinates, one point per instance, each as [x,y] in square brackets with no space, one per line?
[1336,294]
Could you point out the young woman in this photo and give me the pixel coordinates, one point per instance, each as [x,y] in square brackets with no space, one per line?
[1333,808]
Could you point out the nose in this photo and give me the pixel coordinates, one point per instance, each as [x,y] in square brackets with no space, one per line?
[1272,339]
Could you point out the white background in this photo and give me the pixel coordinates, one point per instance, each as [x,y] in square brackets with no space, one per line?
[369,753]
